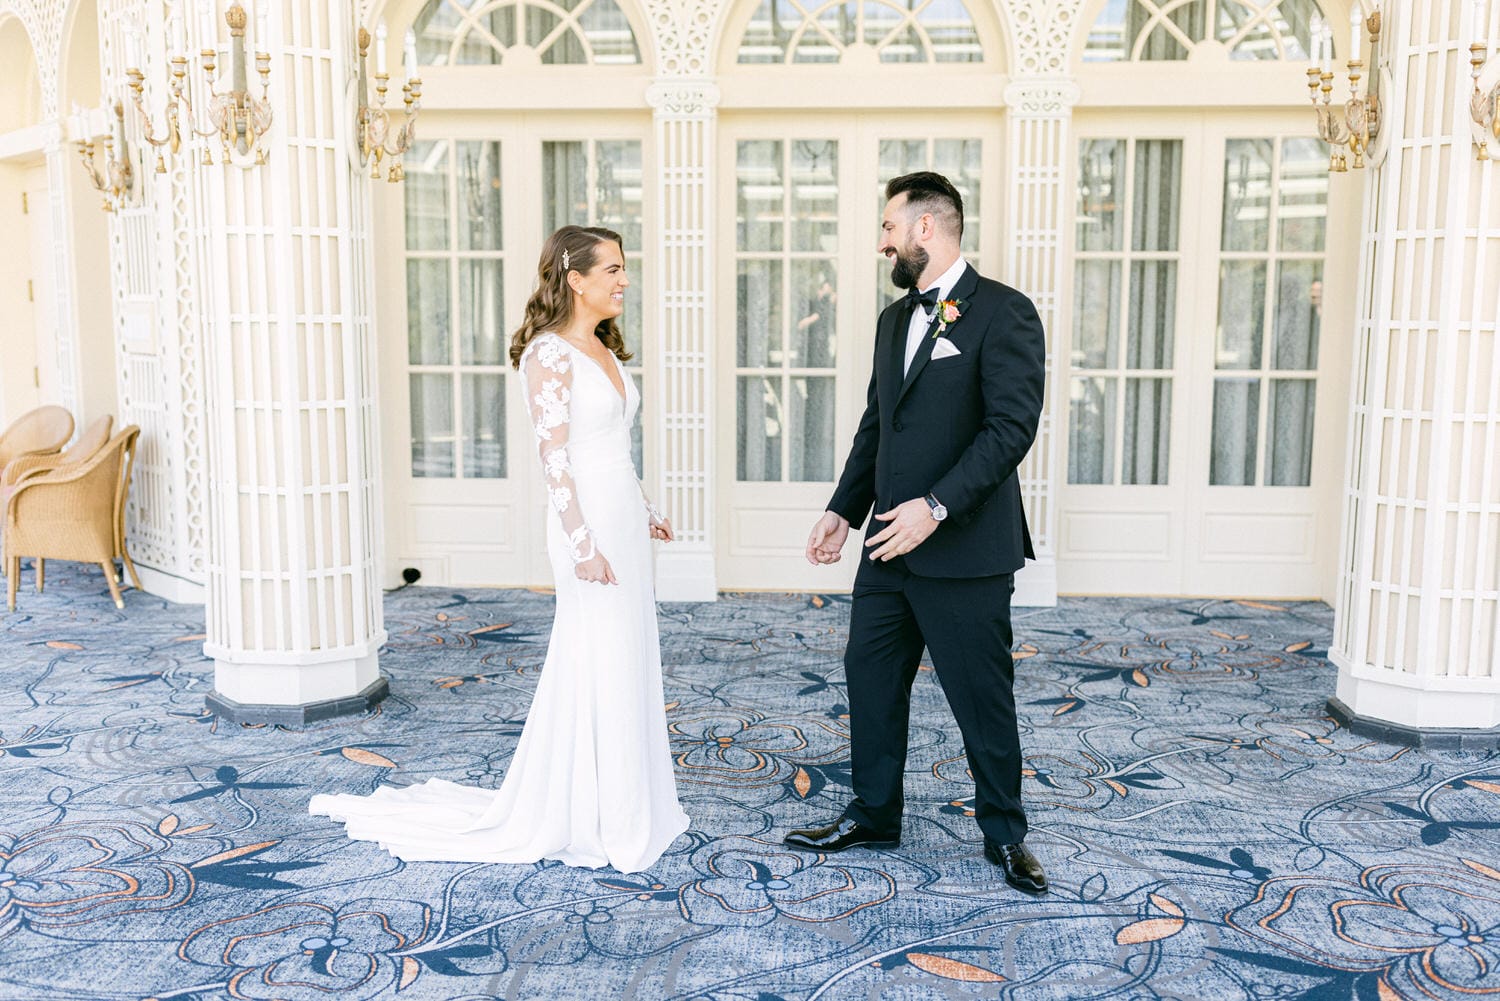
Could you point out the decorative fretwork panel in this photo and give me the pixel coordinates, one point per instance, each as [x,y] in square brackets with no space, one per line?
[928,31]
[483,32]
[1151,31]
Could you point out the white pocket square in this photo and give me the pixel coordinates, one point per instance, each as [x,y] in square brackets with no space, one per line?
[944,349]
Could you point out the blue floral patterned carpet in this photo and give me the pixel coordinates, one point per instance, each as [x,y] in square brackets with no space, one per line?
[1210,834]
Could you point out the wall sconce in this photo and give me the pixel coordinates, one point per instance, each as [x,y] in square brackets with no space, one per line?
[1359,123]
[375,137]
[239,120]
[1484,103]
[117,180]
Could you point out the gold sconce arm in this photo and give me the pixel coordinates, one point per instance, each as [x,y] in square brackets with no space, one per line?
[377,137]
[116,181]
[1352,128]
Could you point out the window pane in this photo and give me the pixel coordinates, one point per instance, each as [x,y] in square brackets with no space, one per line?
[759,308]
[758,194]
[484,424]
[1289,463]
[1242,314]
[1299,309]
[1247,194]
[1236,424]
[760,423]
[959,160]
[1096,314]
[951,30]
[637,435]
[479,184]
[815,208]
[1091,431]
[1303,192]
[1101,165]
[481,312]
[436,28]
[618,190]
[812,429]
[1148,427]
[1153,314]
[814,308]
[431,425]
[426,194]
[1107,42]
[608,33]
[565,178]
[428,312]
[767,34]
[1158,183]
[632,320]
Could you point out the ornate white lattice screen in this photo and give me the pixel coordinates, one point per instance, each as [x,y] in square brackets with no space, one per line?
[789,31]
[487,33]
[1129,30]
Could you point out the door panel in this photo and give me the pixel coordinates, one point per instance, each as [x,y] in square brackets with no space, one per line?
[1199,420]
[805,288]
[465,502]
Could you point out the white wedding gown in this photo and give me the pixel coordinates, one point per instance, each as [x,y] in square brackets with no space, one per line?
[591,781]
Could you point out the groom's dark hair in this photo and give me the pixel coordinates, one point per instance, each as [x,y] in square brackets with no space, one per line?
[931,192]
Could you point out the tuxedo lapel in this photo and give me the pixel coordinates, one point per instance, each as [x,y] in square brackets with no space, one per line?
[962,291]
[895,351]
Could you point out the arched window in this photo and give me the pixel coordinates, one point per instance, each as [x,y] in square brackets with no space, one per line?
[927,31]
[1160,30]
[482,32]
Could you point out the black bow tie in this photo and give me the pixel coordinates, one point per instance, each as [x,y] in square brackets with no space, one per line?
[927,300]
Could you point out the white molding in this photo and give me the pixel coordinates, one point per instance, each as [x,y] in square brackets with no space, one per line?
[1036,583]
[279,683]
[170,586]
[686,573]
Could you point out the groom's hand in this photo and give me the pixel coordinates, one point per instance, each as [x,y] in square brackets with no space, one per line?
[827,538]
[910,525]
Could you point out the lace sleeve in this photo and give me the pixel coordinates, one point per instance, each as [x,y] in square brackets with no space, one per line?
[652,513]
[547,371]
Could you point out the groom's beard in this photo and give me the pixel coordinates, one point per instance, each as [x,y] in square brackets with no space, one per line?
[908,267]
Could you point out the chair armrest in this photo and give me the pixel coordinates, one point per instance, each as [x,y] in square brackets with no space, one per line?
[27,466]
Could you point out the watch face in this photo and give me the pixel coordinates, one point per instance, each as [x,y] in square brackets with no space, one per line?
[939,513]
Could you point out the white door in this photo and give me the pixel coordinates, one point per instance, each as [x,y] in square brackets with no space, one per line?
[804,287]
[1205,411]
[464,493]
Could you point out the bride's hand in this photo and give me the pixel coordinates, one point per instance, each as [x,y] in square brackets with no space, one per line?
[595,570]
[662,530]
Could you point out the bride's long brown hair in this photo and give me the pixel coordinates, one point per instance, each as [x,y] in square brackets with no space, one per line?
[550,307]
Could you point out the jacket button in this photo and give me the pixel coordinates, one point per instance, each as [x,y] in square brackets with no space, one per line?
[895,425]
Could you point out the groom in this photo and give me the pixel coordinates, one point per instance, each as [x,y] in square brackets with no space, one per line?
[953,407]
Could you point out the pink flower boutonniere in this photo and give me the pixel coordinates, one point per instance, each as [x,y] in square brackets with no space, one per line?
[947,312]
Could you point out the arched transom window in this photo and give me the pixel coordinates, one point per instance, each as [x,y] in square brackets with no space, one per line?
[924,31]
[482,32]
[1158,30]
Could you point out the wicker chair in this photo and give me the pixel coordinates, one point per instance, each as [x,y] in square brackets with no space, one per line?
[42,431]
[75,513]
[88,442]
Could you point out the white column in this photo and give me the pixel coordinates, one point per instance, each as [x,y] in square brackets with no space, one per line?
[1417,625]
[294,607]
[683,321]
[1037,210]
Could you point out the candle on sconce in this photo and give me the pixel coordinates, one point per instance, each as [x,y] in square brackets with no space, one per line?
[1315,27]
[209,36]
[261,28]
[1481,35]
[1356,26]
[411,55]
[380,35]
[177,32]
[1327,60]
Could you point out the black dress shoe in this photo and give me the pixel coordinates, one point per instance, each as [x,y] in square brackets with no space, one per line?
[835,837]
[1022,870]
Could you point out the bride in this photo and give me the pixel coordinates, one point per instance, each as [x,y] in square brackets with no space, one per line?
[591,781]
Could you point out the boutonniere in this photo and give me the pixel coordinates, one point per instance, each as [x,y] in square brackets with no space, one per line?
[947,312]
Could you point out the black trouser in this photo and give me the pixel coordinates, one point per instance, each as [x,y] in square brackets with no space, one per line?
[965,623]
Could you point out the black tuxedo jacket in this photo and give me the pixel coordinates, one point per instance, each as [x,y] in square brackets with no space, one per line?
[954,427]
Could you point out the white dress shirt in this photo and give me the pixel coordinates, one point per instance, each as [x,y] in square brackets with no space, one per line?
[921,319]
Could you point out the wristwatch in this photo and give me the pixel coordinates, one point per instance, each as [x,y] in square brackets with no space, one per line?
[938,511]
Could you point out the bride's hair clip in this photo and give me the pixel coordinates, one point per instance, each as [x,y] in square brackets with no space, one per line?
[565,258]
